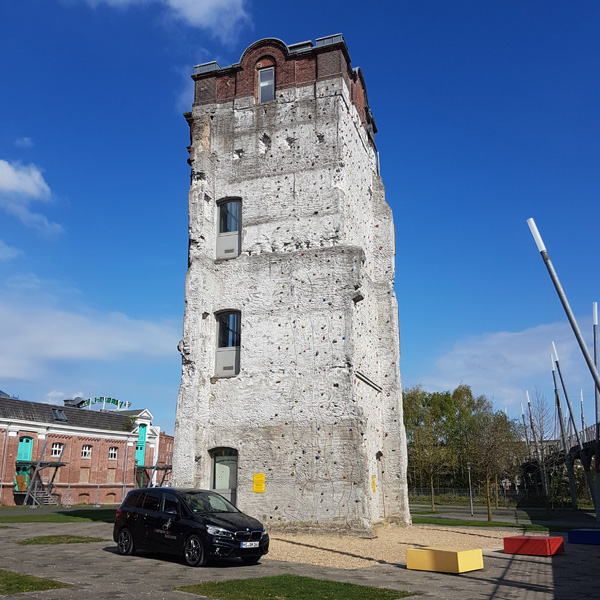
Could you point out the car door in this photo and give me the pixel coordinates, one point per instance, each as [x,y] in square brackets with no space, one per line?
[169,529]
[133,515]
[148,519]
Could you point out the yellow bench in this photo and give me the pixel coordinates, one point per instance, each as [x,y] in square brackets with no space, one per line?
[444,560]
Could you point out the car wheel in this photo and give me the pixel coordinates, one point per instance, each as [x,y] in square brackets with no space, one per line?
[250,560]
[125,544]
[193,552]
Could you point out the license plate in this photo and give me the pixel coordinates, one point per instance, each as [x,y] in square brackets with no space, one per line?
[249,544]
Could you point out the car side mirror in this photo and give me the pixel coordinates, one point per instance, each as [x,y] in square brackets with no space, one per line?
[170,511]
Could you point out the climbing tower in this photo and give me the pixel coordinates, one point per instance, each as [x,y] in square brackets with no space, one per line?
[290,401]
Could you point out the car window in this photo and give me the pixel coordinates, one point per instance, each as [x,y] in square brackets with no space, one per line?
[200,502]
[152,501]
[135,499]
[218,504]
[170,503]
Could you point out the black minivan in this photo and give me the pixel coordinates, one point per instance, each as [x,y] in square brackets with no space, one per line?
[195,524]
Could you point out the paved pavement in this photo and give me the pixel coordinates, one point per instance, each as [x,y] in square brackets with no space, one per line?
[98,572]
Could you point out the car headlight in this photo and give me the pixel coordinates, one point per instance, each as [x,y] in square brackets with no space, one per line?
[218,531]
[263,534]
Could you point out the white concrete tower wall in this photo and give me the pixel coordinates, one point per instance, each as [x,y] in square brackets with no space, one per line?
[316,406]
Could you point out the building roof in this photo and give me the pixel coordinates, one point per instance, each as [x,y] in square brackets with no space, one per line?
[23,410]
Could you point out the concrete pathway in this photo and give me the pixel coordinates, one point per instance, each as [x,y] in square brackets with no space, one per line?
[98,572]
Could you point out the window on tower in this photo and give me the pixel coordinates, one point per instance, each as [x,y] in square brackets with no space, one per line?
[266,84]
[229,235]
[228,343]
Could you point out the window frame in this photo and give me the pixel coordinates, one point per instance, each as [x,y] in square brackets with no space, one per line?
[267,84]
[116,453]
[59,415]
[228,343]
[56,449]
[229,228]
[229,329]
[86,451]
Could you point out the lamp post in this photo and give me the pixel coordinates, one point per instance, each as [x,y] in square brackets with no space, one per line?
[470,489]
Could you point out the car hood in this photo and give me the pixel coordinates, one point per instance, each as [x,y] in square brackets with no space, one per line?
[230,521]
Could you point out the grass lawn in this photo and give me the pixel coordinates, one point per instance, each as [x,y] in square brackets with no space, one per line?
[289,587]
[460,523]
[59,539]
[15,583]
[105,515]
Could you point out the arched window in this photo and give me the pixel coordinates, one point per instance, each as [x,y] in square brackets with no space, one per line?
[230,228]
[228,343]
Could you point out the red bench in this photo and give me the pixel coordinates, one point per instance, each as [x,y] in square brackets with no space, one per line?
[533,545]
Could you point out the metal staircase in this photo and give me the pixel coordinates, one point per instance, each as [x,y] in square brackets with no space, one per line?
[38,492]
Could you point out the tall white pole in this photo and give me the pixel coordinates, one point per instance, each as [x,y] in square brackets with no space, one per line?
[568,460]
[582,455]
[597,397]
[563,298]
[583,431]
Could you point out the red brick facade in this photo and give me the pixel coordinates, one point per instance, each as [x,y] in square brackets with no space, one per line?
[99,464]
[292,69]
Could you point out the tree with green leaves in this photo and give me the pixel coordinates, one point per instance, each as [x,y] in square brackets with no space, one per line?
[447,430]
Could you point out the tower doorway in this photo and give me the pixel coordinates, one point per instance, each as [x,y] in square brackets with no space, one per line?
[224,465]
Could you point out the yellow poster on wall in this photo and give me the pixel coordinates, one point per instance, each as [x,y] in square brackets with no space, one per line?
[373,482]
[259,483]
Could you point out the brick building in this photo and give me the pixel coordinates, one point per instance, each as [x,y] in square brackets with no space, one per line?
[73,455]
[290,400]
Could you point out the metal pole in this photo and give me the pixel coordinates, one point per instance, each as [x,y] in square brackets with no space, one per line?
[525,430]
[583,431]
[470,489]
[597,396]
[538,450]
[563,434]
[565,302]
[582,455]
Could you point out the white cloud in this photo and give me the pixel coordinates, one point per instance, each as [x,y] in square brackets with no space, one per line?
[35,338]
[23,142]
[26,282]
[26,180]
[8,252]
[221,17]
[20,185]
[54,397]
[504,365]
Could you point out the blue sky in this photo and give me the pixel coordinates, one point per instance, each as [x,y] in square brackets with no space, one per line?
[487,114]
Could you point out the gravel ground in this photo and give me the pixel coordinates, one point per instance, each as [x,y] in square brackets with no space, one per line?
[388,547]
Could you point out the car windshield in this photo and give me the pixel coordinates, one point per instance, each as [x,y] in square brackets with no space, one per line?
[207,502]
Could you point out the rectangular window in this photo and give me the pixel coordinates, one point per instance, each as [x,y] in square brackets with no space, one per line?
[229,329]
[266,84]
[110,475]
[86,451]
[229,216]
[84,475]
[228,343]
[59,415]
[112,453]
[229,234]
[56,450]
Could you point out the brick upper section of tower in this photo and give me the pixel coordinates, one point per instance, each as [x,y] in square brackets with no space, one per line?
[296,65]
